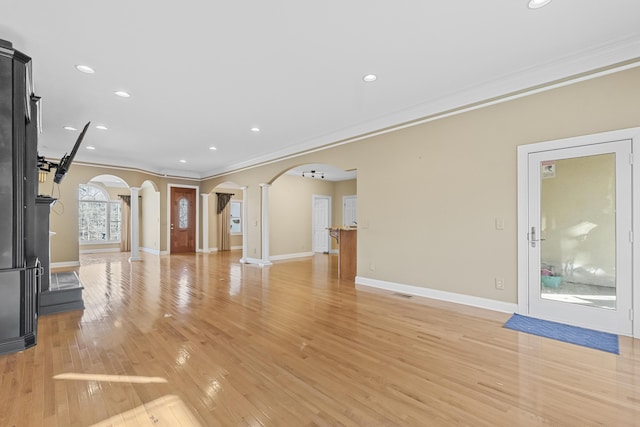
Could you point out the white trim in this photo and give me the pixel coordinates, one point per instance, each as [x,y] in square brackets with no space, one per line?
[493,93]
[197,188]
[487,95]
[205,222]
[245,224]
[291,256]
[523,221]
[164,252]
[65,264]
[150,251]
[98,242]
[135,224]
[264,224]
[479,302]
[258,261]
[99,251]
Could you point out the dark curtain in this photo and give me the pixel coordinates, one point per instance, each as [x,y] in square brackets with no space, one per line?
[224,224]
[125,218]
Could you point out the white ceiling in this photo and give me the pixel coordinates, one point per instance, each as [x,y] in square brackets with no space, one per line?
[203,73]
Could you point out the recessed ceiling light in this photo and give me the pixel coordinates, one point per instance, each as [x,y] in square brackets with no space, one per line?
[90,147]
[212,148]
[537,4]
[254,129]
[182,161]
[69,128]
[85,69]
[122,94]
[101,127]
[370,78]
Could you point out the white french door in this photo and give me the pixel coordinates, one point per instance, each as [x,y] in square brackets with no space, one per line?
[579,226]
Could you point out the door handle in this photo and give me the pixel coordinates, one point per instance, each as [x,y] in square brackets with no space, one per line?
[172,226]
[532,237]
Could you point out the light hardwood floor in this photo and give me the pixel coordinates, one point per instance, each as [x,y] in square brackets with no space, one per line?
[201,340]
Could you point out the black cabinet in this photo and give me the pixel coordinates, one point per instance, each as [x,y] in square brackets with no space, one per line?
[19,265]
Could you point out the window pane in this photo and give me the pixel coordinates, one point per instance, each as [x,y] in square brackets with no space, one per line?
[91,192]
[183,213]
[115,216]
[92,221]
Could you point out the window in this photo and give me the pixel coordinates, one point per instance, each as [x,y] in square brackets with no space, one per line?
[183,213]
[236,217]
[98,217]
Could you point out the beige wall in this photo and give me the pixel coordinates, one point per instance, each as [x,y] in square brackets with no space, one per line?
[449,178]
[452,178]
[290,206]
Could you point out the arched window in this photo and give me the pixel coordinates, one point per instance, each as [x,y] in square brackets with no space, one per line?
[98,217]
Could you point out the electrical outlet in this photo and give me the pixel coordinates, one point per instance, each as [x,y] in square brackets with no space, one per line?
[372,266]
[499,281]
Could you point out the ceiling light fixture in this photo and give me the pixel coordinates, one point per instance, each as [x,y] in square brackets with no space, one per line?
[537,4]
[312,174]
[122,94]
[370,78]
[101,127]
[254,129]
[85,69]
[182,161]
[69,128]
[90,147]
[212,148]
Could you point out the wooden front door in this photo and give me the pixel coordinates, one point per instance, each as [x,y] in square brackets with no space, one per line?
[183,220]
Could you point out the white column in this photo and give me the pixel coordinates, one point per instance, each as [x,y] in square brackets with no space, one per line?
[135,225]
[265,224]
[245,225]
[205,223]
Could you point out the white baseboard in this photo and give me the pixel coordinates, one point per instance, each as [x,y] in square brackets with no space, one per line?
[99,251]
[291,256]
[479,302]
[65,264]
[334,251]
[233,248]
[150,251]
[164,252]
[258,261]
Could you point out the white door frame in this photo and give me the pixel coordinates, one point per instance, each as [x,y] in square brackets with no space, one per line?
[313,213]
[168,224]
[632,134]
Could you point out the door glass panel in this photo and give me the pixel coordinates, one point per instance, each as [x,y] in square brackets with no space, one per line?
[578,231]
[183,213]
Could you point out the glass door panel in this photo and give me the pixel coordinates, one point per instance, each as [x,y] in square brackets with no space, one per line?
[578,230]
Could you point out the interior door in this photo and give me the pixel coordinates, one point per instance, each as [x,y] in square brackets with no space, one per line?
[320,223]
[579,234]
[183,220]
[350,210]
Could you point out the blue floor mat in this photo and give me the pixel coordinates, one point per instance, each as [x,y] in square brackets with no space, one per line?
[559,331]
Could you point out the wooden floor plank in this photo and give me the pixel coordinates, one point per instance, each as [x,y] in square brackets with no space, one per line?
[202,340]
